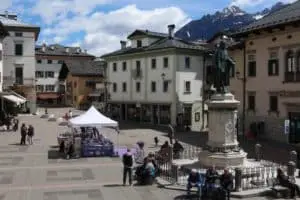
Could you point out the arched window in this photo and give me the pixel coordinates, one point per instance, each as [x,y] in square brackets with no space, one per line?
[290,61]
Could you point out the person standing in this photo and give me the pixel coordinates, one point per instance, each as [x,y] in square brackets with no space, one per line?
[127,167]
[226,180]
[23,134]
[30,134]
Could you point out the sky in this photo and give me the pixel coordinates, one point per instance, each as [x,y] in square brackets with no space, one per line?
[99,25]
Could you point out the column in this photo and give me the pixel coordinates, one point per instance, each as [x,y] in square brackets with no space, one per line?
[141,112]
[126,106]
[152,114]
[173,113]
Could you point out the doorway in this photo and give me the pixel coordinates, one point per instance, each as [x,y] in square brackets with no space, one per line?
[294,136]
[19,75]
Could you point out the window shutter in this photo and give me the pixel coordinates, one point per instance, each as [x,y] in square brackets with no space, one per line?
[270,63]
[277,67]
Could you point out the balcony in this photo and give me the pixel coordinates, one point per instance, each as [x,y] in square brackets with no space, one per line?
[290,77]
[9,81]
[136,73]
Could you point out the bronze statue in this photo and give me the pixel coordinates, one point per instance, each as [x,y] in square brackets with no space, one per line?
[223,64]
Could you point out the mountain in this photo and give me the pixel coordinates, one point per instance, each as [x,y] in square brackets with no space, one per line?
[230,18]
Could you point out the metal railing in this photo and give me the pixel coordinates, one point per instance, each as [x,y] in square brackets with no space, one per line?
[251,177]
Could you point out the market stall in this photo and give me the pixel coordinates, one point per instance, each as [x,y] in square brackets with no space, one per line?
[86,134]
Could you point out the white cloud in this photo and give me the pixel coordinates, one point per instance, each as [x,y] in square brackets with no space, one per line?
[103,31]
[5,4]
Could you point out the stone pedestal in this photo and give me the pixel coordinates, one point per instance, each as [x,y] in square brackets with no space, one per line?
[222,146]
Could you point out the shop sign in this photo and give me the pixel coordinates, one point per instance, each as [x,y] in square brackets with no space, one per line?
[285,93]
[286,126]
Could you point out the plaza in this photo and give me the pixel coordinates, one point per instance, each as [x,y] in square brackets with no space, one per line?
[33,172]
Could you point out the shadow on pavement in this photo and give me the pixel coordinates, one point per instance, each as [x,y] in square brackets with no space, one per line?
[185,197]
[16,144]
[113,185]
[53,154]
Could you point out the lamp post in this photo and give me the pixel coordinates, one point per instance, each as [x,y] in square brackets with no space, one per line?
[243,79]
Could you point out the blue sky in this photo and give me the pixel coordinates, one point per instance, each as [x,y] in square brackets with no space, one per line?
[99,25]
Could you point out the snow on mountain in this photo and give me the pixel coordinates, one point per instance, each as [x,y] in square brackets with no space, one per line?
[230,18]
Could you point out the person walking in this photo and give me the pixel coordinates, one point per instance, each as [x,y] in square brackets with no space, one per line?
[127,167]
[23,134]
[30,134]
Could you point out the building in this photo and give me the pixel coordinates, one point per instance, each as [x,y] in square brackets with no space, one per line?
[270,63]
[3,34]
[49,60]
[84,83]
[19,58]
[158,79]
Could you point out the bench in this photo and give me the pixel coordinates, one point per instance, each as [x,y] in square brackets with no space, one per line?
[277,189]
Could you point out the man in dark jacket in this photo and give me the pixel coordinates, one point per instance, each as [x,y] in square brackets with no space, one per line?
[127,164]
[194,180]
[23,134]
[226,180]
[285,182]
[177,149]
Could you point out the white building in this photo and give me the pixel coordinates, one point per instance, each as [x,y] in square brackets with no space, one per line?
[19,58]
[3,34]
[49,60]
[157,79]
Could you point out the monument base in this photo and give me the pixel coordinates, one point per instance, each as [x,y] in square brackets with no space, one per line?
[223,159]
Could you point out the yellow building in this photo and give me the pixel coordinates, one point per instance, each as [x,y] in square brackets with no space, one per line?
[84,83]
[269,89]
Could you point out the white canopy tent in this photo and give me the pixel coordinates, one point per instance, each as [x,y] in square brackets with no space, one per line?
[15,99]
[93,118]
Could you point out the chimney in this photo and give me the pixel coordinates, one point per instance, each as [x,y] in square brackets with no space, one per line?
[44,47]
[171,29]
[123,44]
[6,14]
[67,49]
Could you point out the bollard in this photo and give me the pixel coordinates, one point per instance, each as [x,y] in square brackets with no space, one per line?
[238,179]
[291,169]
[293,156]
[258,152]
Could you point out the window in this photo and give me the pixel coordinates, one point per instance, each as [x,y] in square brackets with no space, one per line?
[39,88]
[114,87]
[124,87]
[0,55]
[49,61]
[50,88]
[114,67]
[187,87]
[18,34]
[166,62]
[139,43]
[39,74]
[39,61]
[90,84]
[290,61]
[153,86]
[124,66]
[138,68]
[49,74]
[75,98]
[18,49]
[75,84]
[273,67]
[273,103]
[252,68]
[187,62]
[165,86]
[251,102]
[60,62]
[298,61]
[153,63]
[138,86]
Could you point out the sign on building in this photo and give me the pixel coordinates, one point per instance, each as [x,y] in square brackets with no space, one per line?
[286,126]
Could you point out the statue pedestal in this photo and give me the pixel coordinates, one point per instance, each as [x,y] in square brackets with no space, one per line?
[222,142]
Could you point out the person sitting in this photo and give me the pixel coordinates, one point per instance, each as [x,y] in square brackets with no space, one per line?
[149,173]
[194,180]
[177,149]
[285,182]
[210,179]
[226,180]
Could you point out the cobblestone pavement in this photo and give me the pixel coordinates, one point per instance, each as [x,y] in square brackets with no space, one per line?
[28,173]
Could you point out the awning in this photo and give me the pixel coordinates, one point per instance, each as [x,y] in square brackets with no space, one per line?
[14,99]
[47,96]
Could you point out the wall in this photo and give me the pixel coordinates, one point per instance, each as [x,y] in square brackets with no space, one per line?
[1,65]
[80,89]
[54,67]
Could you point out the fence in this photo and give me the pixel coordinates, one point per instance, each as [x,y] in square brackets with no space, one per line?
[190,152]
[251,177]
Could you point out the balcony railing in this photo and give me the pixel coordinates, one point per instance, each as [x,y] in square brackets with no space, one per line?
[292,77]
[15,81]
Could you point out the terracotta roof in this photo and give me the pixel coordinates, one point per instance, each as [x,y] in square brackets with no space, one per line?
[84,68]
[286,15]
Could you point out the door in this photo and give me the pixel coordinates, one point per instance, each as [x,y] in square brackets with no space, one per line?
[294,136]
[19,75]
